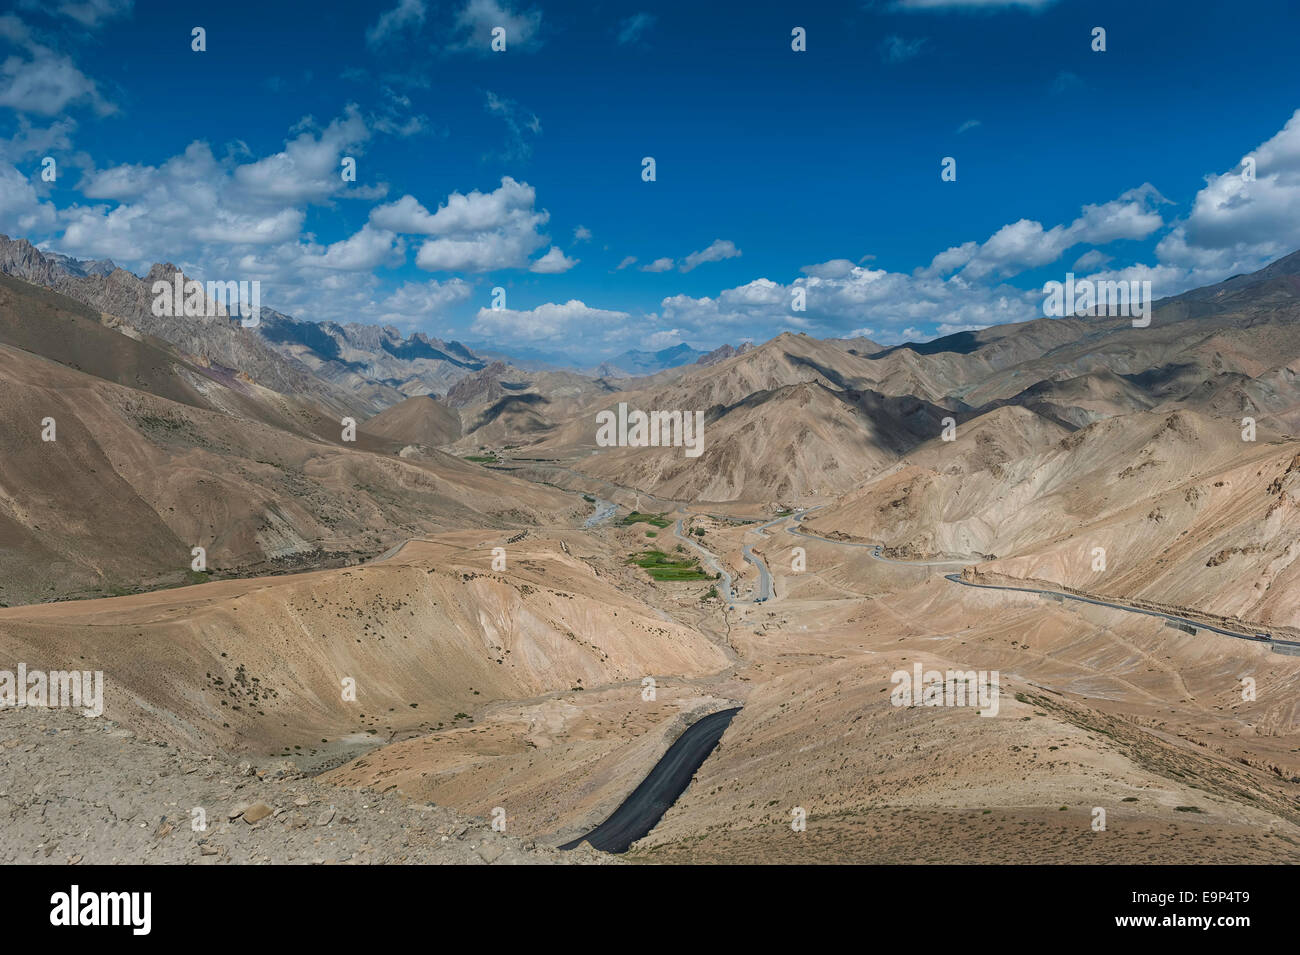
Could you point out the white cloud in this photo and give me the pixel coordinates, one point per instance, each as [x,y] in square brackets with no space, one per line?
[834,269]
[407,14]
[549,322]
[1092,259]
[1025,244]
[627,260]
[414,303]
[553,262]
[484,252]
[43,82]
[20,204]
[582,234]
[307,169]
[92,13]
[1236,224]
[366,250]
[716,251]
[658,265]
[477,232]
[477,19]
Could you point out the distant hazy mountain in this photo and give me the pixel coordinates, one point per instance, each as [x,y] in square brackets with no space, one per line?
[373,359]
[723,352]
[634,363]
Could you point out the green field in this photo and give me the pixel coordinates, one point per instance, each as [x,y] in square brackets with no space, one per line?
[636,517]
[662,567]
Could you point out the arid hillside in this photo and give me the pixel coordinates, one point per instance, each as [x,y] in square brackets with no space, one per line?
[427,638]
[121,456]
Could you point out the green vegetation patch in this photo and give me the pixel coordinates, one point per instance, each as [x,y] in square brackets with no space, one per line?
[636,517]
[662,567]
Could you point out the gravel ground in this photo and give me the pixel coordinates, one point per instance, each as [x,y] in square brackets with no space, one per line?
[77,790]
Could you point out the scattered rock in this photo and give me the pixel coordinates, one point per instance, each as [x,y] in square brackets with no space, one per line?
[256,813]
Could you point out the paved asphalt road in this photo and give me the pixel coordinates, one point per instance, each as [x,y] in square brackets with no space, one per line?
[956,578]
[642,810]
[711,559]
[765,591]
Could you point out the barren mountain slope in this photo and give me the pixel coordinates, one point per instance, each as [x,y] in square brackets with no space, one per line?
[421,420]
[1187,512]
[152,456]
[790,443]
[1098,708]
[215,338]
[428,637]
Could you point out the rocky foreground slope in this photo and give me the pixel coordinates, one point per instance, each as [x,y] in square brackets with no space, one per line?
[87,791]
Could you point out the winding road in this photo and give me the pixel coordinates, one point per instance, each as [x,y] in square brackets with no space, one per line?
[712,560]
[765,591]
[641,811]
[957,579]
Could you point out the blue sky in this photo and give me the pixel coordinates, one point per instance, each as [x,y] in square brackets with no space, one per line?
[775,169]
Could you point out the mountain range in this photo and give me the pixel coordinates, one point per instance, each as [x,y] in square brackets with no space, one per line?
[446,529]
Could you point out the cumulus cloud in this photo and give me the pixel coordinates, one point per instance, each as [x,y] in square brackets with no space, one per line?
[213,209]
[838,300]
[21,205]
[365,250]
[553,262]
[1026,244]
[1237,224]
[549,322]
[475,232]
[658,265]
[307,169]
